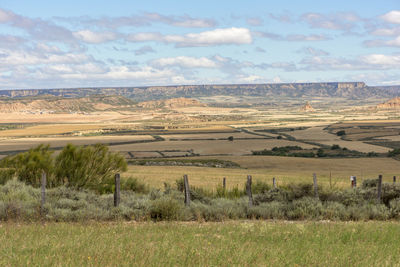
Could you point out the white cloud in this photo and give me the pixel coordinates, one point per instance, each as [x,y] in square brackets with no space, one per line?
[383,60]
[215,37]
[95,37]
[5,16]
[392,17]
[386,32]
[186,62]
[307,38]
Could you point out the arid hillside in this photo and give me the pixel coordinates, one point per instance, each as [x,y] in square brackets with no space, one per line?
[53,104]
[393,103]
[172,103]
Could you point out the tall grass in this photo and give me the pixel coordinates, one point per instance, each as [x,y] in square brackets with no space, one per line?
[245,243]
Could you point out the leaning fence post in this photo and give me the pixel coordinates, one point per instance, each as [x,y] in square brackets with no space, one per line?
[274,182]
[43,193]
[117,197]
[394,179]
[315,185]
[248,190]
[224,183]
[187,190]
[379,188]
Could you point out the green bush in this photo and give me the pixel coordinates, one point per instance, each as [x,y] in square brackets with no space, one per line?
[166,209]
[30,165]
[87,166]
[305,208]
[335,211]
[132,184]
[395,208]
[271,210]
[341,133]
[6,174]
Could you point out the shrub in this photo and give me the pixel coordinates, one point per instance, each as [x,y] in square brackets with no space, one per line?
[305,208]
[370,183]
[335,147]
[6,174]
[335,211]
[220,209]
[132,184]
[394,152]
[271,210]
[368,211]
[166,209]
[299,190]
[260,187]
[274,194]
[395,208]
[341,133]
[87,166]
[18,201]
[30,165]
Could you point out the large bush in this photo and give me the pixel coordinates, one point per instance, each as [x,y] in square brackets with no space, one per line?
[30,165]
[87,166]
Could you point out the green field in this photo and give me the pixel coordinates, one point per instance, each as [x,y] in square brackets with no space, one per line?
[240,243]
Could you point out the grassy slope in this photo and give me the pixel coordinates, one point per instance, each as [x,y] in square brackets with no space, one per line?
[210,244]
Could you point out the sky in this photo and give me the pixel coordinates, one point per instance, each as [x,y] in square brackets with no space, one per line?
[65,44]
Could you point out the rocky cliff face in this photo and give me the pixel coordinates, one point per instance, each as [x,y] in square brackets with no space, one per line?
[393,103]
[351,90]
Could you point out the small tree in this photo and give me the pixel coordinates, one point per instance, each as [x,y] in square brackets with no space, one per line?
[341,133]
[230,138]
[89,166]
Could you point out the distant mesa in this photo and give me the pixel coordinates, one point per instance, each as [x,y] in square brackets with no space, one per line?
[393,104]
[307,108]
[172,103]
[347,90]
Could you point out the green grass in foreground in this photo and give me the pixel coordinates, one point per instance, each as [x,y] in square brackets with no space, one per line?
[240,243]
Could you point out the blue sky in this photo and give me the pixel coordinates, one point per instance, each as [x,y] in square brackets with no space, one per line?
[59,44]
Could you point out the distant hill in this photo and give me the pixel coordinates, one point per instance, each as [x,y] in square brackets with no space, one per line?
[392,104]
[171,103]
[54,104]
[349,90]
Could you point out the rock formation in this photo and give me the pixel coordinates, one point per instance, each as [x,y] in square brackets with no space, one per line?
[307,108]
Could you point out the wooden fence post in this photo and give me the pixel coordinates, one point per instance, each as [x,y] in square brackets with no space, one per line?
[315,185]
[248,190]
[224,183]
[43,193]
[274,182]
[187,190]
[355,181]
[117,191]
[379,188]
[394,179]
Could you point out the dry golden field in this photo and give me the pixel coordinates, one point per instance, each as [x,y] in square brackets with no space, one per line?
[185,136]
[319,135]
[285,169]
[210,147]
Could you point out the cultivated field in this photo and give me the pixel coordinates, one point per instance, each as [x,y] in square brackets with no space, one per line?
[286,170]
[242,243]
